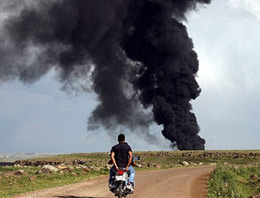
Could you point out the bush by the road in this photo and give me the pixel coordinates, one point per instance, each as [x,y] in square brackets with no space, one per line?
[235,182]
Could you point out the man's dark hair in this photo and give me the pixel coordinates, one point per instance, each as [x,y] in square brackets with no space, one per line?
[121,137]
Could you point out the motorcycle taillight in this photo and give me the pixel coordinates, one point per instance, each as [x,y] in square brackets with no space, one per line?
[120,172]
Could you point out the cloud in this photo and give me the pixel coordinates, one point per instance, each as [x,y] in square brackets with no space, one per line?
[227,46]
[250,6]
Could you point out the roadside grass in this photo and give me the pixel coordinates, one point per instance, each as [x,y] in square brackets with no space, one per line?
[235,182]
[10,186]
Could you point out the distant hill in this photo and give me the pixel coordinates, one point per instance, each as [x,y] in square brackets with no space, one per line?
[12,157]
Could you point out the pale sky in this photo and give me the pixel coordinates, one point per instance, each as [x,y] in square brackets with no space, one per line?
[42,118]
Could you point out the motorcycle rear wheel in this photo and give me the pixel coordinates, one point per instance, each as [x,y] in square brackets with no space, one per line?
[120,192]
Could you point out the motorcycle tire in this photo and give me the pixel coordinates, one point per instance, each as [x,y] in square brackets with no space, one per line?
[120,192]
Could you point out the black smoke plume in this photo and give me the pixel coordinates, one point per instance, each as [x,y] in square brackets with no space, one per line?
[135,55]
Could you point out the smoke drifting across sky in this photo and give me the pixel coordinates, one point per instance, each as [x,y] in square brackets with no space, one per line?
[135,55]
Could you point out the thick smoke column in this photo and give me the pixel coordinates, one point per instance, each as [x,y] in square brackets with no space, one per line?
[132,53]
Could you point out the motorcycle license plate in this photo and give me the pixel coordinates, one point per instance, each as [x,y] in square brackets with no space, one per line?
[120,177]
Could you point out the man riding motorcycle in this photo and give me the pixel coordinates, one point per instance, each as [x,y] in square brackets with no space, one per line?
[121,156]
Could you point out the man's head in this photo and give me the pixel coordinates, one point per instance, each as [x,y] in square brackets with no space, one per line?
[121,138]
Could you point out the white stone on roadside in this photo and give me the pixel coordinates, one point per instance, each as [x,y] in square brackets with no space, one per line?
[61,167]
[51,168]
[19,172]
[185,163]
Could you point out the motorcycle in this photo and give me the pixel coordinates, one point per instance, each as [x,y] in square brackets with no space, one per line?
[121,186]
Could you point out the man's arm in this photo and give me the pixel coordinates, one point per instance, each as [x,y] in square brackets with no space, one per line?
[113,160]
[129,160]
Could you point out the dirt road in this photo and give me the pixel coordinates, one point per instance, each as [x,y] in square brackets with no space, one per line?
[170,183]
